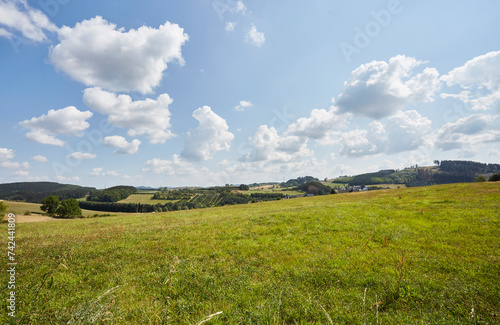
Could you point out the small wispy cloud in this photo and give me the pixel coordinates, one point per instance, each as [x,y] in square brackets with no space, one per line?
[230,26]
[243,105]
[81,155]
[39,158]
[255,37]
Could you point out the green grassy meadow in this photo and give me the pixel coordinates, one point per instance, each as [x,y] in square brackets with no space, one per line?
[144,199]
[426,255]
[19,208]
[22,207]
[285,191]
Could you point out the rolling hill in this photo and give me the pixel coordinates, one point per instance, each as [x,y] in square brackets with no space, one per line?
[408,256]
[447,172]
[35,192]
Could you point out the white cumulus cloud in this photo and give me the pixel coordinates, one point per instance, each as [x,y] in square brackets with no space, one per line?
[176,166]
[469,133]
[148,117]
[404,131]
[212,135]
[318,124]
[480,81]
[123,147]
[39,158]
[255,37]
[379,89]
[17,16]
[6,154]
[66,121]
[269,146]
[97,53]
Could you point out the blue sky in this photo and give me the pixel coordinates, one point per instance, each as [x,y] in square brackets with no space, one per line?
[211,92]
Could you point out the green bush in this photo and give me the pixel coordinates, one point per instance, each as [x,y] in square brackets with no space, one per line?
[480,179]
[494,178]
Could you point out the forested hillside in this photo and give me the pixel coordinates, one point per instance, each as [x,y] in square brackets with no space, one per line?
[35,192]
[446,172]
[298,181]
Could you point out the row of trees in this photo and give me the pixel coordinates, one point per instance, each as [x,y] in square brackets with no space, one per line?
[118,207]
[64,209]
[493,178]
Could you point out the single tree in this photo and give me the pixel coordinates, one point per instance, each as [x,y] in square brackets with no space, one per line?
[50,205]
[244,187]
[480,179]
[494,178]
[69,208]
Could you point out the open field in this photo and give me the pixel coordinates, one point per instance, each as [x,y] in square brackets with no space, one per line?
[144,199]
[391,186]
[20,209]
[272,190]
[334,185]
[407,256]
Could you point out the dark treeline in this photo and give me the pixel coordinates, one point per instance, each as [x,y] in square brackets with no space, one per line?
[458,171]
[112,194]
[117,207]
[459,166]
[35,192]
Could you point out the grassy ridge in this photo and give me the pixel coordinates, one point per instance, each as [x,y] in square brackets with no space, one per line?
[409,256]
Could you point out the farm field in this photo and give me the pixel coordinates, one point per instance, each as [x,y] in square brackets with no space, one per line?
[143,199]
[20,208]
[271,190]
[390,186]
[407,256]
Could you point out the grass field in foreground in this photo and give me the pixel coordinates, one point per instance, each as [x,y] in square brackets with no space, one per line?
[426,255]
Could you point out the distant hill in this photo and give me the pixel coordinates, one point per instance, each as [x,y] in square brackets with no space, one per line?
[35,192]
[146,188]
[448,171]
[299,181]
